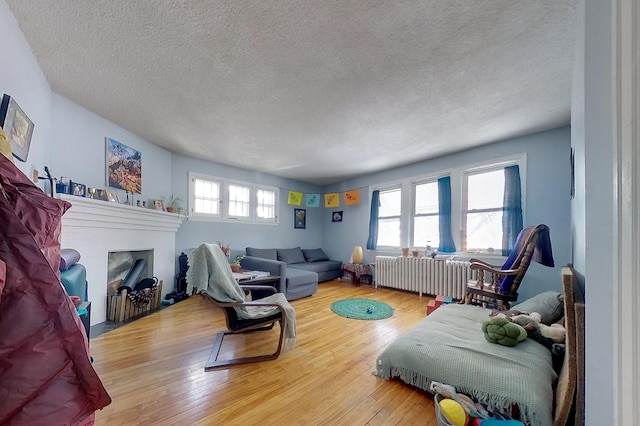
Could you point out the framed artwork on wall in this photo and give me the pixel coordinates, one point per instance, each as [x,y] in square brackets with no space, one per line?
[300,219]
[17,126]
[124,167]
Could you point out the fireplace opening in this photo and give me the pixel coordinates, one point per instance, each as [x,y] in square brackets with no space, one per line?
[120,263]
[132,290]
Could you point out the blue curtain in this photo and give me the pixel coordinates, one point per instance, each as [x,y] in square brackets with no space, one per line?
[512,208]
[444,200]
[372,242]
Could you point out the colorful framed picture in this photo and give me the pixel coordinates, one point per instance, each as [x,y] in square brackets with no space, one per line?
[158,205]
[77,189]
[17,126]
[124,167]
[300,218]
[112,197]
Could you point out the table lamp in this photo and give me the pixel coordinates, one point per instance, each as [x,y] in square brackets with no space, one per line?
[357,254]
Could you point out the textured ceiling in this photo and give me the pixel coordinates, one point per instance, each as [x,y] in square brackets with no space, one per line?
[318,91]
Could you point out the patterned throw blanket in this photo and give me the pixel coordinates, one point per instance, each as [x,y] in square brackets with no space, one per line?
[209,272]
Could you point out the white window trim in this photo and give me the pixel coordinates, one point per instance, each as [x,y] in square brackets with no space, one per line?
[224,202]
[458,199]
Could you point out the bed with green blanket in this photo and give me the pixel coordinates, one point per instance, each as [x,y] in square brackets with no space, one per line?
[449,347]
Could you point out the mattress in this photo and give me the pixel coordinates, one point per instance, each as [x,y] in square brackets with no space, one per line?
[449,347]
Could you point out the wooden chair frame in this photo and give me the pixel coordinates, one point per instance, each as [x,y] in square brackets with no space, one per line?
[248,326]
[485,292]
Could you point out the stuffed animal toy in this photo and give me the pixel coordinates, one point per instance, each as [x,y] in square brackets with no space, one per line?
[544,334]
[502,331]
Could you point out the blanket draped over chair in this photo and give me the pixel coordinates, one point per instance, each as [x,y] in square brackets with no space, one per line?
[209,272]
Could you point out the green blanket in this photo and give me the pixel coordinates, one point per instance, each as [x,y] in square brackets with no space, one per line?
[209,272]
[449,347]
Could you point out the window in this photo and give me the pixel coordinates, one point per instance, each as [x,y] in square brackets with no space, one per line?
[213,198]
[265,204]
[483,214]
[239,200]
[389,217]
[206,196]
[492,207]
[426,220]
[409,213]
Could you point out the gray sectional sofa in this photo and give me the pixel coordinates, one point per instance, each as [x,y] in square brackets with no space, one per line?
[300,270]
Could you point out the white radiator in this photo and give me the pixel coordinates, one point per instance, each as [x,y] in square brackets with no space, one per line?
[424,275]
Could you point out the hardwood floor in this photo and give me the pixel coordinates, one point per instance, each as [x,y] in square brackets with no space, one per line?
[153,368]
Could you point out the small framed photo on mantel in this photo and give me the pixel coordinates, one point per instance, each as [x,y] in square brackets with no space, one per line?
[158,205]
[112,197]
[77,189]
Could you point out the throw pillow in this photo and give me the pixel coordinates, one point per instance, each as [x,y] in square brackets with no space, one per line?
[271,254]
[549,304]
[315,255]
[292,255]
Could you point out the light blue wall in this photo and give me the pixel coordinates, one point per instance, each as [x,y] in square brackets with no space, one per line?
[547,199]
[594,207]
[78,136]
[193,233]
[22,78]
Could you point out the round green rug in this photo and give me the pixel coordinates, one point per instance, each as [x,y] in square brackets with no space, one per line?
[362,309]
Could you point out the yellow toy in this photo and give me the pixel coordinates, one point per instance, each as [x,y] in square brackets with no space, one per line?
[453,411]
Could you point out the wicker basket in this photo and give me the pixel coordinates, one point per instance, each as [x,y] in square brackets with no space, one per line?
[442,420]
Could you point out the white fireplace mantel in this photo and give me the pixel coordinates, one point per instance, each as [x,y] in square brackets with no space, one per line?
[95,228]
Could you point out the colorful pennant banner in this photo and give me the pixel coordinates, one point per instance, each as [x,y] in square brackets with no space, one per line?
[331,200]
[295,198]
[312,200]
[351,197]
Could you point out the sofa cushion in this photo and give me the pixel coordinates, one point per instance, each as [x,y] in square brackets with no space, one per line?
[322,266]
[292,255]
[297,277]
[315,255]
[263,253]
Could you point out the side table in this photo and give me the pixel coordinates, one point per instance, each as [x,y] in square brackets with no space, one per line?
[358,272]
[270,280]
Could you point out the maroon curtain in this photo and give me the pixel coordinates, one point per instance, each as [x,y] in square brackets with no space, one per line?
[46,376]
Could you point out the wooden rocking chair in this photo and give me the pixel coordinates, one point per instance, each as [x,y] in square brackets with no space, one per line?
[236,325]
[501,286]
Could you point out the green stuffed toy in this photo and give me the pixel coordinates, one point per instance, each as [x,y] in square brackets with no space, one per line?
[503,332]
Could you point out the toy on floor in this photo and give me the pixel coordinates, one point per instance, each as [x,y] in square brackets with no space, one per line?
[453,412]
[448,391]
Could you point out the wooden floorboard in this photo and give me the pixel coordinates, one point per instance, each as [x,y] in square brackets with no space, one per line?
[153,367]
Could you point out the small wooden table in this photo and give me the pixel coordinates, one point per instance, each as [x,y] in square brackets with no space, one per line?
[358,272]
[261,280]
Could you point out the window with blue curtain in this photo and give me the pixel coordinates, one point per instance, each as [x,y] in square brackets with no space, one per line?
[512,208]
